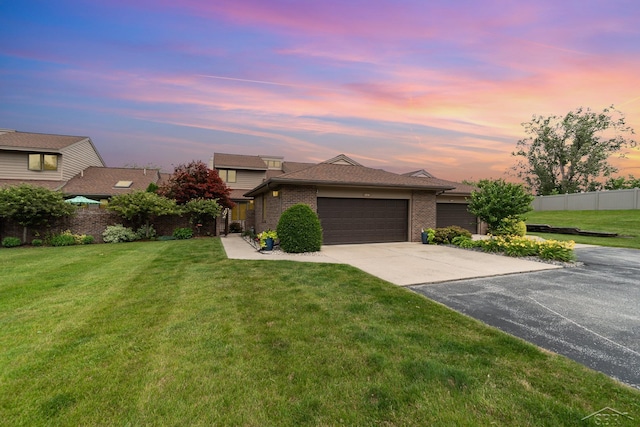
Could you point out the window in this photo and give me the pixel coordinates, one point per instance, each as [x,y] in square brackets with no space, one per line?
[123,184]
[43,162]
[273,164]
[239,211]
[227,175]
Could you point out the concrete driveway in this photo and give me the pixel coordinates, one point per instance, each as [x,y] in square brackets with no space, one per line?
[590,314]
[402,263]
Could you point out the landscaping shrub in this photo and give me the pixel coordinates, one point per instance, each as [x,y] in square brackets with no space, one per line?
[445,235]
[118,233]
[67,238]
[63,239]
[521,246]
[299,230]
[465,242]
[510,227]
[183,233]
[36,242]
[87,239]
[146,232]
[11,242]
[235,227]
[498,199]
[555,250]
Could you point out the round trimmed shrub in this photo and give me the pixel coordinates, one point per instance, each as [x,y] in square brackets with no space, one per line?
[118,233]
[299,230]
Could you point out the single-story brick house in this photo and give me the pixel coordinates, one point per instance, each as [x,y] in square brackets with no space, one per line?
[358,204]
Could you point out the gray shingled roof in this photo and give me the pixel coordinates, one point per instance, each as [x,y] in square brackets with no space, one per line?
[100,181]
[25,140]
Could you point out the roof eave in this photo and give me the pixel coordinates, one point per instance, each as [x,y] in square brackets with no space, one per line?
[31,149]
[246,168]
[265,186]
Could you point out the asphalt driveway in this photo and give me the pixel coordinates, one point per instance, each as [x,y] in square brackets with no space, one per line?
[590,314]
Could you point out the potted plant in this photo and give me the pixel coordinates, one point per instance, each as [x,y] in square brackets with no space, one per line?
[428,235]
[267,239]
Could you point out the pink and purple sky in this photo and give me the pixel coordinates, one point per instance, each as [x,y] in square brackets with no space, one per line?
[399,84]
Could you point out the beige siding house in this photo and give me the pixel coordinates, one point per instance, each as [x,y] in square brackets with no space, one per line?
[242,173]
[70,164]
[44,159]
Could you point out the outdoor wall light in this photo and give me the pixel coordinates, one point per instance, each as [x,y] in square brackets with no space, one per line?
[275,193]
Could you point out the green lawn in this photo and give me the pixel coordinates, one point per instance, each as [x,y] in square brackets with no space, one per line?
[173,333]
[625,222]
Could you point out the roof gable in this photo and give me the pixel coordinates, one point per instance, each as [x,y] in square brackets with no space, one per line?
[419,174]
[341,159]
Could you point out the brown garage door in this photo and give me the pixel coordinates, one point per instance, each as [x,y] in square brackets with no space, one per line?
[455,214]
[363,220]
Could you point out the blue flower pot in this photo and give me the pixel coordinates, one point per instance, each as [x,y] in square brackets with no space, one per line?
[268,244]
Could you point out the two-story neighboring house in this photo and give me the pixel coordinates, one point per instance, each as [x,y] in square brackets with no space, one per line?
[242,173]
[43,159]
[70,164]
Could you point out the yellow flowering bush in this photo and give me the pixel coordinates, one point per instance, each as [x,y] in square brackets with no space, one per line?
[521,246]
[555,250]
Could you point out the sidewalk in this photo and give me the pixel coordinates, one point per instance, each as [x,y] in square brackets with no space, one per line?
[402,263]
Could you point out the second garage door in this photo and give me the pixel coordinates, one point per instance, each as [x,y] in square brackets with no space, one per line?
[363,220]
[455,214]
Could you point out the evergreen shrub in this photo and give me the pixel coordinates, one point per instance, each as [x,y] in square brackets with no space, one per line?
[299,230]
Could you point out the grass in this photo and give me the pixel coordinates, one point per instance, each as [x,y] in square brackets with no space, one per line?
[173,333]
[624,222]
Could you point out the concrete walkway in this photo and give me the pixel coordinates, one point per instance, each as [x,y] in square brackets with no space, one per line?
[402,263]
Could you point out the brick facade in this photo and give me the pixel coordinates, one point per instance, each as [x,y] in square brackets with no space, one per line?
[93,221]
[422,208]
[288,196]
[423,213]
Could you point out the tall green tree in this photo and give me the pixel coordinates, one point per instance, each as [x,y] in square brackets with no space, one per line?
[32,206]
[498,200]
[141,207]
[571,154]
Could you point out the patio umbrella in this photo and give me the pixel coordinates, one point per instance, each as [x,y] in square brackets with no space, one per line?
[81,200]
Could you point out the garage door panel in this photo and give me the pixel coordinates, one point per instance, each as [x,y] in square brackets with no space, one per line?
[363,220]
[448,214]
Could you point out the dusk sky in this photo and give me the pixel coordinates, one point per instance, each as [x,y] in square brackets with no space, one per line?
[399,85]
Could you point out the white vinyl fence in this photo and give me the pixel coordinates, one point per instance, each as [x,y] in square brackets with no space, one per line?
[592,201]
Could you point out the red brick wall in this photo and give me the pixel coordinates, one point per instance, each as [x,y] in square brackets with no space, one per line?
[93,222]
[423,213]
